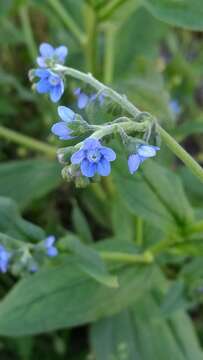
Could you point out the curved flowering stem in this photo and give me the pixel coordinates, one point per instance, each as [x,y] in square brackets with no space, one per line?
[123,102]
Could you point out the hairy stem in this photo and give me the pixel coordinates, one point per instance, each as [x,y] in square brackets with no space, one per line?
[146,257]
[124,103]
[30,143]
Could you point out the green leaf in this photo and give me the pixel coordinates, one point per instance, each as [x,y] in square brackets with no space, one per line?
[63,296]
[12,224]
[141,333]
[90,261]
[81,225]
[28,180]
[150,195]
[184,13]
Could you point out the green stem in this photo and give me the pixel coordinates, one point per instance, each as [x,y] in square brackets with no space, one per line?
[111,6]
[27,30]
[91,43]
[146,257]
[109,54]
[122,101]
[89,79]
[181,153]
[68,21]
[28,142]
[195,228]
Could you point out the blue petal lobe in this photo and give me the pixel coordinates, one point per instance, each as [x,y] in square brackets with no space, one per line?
[103,167]
[56,92]
[82,101]
[91,143]
[108,153]
[61,53]
[43,86]
[133,163]
[42,73]
[46,50]
[49,241]
[66,114]
[41,62]
[147,151]
[60,129]
[88,169]
[77,157]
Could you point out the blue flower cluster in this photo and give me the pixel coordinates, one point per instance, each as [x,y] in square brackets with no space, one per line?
[92,158]
[27,260]
[50,82]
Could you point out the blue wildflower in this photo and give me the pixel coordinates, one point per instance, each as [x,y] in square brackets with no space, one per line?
[50,83]
[4,259]
[61,128]
[175,107]
[51,250]
[50,56]
[94,158]
[143,152]
[83,99]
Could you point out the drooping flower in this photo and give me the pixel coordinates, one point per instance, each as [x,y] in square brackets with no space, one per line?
[83,99]
[51,250]
[94,158]
[49,56]
[61,128]
[4,259]
[50,83]
[143,152]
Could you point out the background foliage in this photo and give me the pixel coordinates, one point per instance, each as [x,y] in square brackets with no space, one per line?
[151,50]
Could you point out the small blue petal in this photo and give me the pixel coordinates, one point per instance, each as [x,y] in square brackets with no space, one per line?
[103,167]
[56,92]
[42,73]
[52,251]
[133,163]
[61,53]
[41,62]
[108,153]
[77,91]
[66,114]
[83,100]
[91,143]
[88,169]
[43,86]
[147,150]
[49,241]
[61,130]
[77,157]
[46,50]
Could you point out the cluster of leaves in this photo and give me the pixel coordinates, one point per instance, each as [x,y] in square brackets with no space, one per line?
[133,311]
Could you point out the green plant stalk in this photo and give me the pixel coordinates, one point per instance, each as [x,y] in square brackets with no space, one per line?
[195,228]
[146,257]
[181,153]
[122,101]
[110,7]
[28,34]
[68,21]
[30,143]
[91,39]
[110,33]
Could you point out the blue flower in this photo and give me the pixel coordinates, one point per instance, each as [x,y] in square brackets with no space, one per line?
[50,83]
[51,250]
[61,128]
[50,56]
[143,152]
[83,99]
[4,259]
[94,158]
[175,107]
